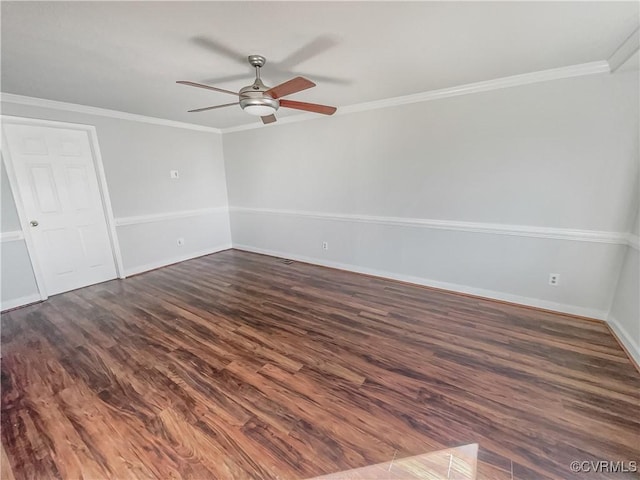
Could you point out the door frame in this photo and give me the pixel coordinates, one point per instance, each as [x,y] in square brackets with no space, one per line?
[102,188]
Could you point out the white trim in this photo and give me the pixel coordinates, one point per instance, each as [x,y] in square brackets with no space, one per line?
[570,71]
[633,241]
[106,201]
[625,51]
[101,112]
[454,287]
[161,217]
[170,261]
[92,137]
[616,238]
[11,236]
[485,86]
[19,302]
[630,344]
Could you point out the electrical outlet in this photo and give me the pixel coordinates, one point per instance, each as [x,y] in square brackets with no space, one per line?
[325,245]
[554,279]
[174,174]
[180,242]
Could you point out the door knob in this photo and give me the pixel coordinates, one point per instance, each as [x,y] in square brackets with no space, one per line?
[34,223]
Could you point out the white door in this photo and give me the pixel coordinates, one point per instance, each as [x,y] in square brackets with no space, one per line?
[57,183]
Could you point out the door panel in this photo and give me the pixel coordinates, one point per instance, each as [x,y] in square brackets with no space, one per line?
[94,246]
[34,146]
[78,187]
[60,240]
[57,183]
[44,188]
[70,148]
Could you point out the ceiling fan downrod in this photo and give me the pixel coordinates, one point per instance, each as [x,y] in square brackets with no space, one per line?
[258,62]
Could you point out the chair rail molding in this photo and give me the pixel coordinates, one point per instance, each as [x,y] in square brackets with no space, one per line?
[162,217]
[11,236]
[594,236]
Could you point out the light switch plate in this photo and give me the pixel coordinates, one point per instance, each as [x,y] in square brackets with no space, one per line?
[174,174]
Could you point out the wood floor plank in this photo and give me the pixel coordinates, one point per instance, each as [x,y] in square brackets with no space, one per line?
[237,365]
[6,473]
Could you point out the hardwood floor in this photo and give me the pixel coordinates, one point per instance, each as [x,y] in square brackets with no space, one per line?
[457,463]
[237,365]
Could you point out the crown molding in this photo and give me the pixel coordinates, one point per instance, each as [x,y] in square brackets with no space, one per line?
[592,236]
[162,217]
[570,71]
[625,51]
[101,112]
[579,70]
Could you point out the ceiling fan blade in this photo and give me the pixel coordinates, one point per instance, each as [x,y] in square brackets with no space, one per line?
[268,119]
[228,78]
[325,79]
[200,85]
[211,108]
[220,48]
[292,86]
[312,49]
[309,107]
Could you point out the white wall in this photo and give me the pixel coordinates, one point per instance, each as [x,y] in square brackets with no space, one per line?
[17,281]
[624,315]
[556,159]
[150,208]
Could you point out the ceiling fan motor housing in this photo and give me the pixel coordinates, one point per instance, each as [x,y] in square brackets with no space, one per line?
[253,95]
[257,60]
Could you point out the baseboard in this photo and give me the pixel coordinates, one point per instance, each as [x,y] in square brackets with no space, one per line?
[170,261]
[20,302]
[628,344]
[35,298]
[453,287]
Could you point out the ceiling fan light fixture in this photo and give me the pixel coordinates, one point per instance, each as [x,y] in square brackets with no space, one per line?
[260,106]
[259,110]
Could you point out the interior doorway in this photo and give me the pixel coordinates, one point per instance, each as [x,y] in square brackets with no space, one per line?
[56,175]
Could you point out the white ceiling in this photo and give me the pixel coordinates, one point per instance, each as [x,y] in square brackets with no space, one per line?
[127,55]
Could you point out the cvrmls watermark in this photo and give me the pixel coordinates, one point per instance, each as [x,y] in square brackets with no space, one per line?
[603,466]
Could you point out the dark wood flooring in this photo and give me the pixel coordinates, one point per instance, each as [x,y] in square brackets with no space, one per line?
[237,365]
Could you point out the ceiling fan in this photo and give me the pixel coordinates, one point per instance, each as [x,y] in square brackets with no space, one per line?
[262,101]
